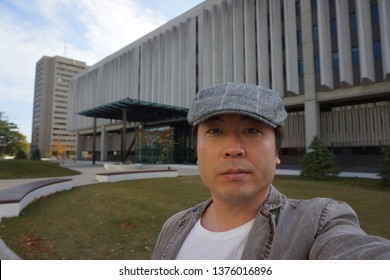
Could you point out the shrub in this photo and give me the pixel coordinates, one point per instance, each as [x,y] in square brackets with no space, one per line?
[385,168]
[319,162]
[36,155]
[21,155]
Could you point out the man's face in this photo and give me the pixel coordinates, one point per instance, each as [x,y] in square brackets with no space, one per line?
[236,158]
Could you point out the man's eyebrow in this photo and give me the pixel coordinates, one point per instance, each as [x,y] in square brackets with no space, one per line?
[218,118]
[246,118]
[214,119]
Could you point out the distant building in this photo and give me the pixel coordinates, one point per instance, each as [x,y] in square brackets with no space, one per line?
[52,77]
[329,60]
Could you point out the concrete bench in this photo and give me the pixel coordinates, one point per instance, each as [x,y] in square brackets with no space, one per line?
[134,175]
[14,199]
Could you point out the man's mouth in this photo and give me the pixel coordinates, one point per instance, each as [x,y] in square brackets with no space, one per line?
[234,173]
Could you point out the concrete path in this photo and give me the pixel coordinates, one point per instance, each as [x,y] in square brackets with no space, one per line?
[88,176]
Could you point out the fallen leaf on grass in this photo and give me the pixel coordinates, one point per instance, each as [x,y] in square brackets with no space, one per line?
[34,243]
[127,225]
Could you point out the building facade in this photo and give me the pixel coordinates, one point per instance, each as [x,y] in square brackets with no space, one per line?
[329,60]
[49,125]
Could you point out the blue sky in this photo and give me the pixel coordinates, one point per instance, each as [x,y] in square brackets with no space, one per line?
[86,30]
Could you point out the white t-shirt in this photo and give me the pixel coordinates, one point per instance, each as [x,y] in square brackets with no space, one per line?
[202,244]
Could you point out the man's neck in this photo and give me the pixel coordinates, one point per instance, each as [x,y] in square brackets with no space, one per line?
[220,217]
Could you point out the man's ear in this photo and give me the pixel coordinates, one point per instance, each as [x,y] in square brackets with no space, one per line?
[277,159]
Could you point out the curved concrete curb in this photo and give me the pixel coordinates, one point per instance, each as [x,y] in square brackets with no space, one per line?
[6,253]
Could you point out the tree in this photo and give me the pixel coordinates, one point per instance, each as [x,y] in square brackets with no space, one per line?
[385,168]
[163,138]
[58,149]
[11,141]
[319,162]
[17,144]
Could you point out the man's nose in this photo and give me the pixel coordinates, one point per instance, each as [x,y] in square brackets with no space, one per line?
[233,146]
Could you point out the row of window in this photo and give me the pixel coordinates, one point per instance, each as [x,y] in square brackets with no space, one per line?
[333,28]
[335,58]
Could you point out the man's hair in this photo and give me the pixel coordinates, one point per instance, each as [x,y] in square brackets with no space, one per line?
[279,135]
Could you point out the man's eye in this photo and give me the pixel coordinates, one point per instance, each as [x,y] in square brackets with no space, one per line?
[252,130]
[214,131]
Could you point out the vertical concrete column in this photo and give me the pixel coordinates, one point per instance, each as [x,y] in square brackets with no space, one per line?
[135,72]
[227,35]
[291,44]
[191,62]
[149,70]
[123,135]
[312,121]
[217,44]
[207,47]
[94,141]
[99,84]
[120,71]
[183,56]
[127,74]
[238,41]
[112,89]
[325,44]
[78,145]
[384,17]
[344,43]
[199,58]
[366,49]
[143,73]
[262,43]
[155,48]
[312,111]
[250,42]
[175,66]
[168,67]
[103,144]
[161,70]
[276,47]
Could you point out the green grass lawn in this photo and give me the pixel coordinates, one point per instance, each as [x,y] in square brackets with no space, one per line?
[23,169]
[122,220]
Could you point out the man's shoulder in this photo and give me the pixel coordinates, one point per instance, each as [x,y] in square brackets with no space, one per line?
[277,199]
[189,213]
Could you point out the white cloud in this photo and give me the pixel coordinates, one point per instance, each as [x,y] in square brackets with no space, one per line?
[92,30]
[111,25]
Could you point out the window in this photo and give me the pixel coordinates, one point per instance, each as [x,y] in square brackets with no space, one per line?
[355,56]
[299,37]
[315,33]
[377,50]
[353,21]
[333,27]
[317,64]
[374,14]
[300,67]
[335,60]
[314,4]
[297,8]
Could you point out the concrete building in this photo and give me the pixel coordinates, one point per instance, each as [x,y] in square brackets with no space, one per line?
[52,77]
[330,61]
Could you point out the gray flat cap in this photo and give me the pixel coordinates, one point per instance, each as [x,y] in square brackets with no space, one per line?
[254,101]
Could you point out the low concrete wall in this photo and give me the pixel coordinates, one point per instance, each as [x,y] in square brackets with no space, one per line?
[15,199]
[134,175]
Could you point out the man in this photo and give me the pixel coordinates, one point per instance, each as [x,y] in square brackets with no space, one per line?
[237,131]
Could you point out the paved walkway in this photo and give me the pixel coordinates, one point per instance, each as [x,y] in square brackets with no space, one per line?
[88,176]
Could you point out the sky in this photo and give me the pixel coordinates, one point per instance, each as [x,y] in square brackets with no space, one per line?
[86,30]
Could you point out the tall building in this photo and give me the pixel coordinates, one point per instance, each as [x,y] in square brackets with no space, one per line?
[52,77]
[328,59]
